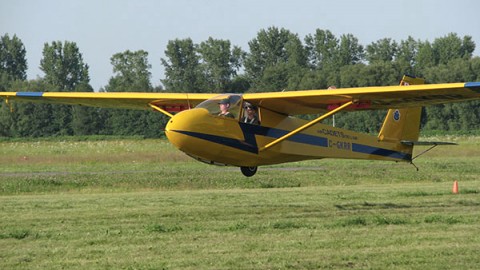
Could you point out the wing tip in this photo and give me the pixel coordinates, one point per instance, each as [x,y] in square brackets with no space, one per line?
[475,86]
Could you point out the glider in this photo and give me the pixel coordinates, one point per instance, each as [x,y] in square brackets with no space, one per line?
[199,127]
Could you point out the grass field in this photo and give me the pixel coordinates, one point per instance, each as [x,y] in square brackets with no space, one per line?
[141,204]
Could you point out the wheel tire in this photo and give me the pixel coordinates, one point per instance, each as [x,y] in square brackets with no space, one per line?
[248,171]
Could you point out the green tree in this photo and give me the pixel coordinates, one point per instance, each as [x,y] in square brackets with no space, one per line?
[239,84]
[65,70]
[321,48]
[353,76]
[274,49]
[457,70]
[296,52]
[315,79]
[468,47]
[88,120]
[452,47]
[383,50]
[183,72]
[425,57]
[350,52]
[475,66]
[274,78]
[461,116]
[13,67]
[13,62]
[220,63]
[132,73]
[297,63]
[406,58]
[131,70]
[381,73]
[63,65]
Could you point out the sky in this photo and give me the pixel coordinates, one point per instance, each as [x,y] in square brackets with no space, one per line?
[102,28]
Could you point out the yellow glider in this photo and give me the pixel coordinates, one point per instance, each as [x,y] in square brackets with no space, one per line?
[198,128]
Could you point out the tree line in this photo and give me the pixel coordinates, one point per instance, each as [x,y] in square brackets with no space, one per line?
[277,60]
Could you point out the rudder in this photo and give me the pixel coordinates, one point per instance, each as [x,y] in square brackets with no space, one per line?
[402,124]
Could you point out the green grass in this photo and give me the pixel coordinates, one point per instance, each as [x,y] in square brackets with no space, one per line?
[141,204]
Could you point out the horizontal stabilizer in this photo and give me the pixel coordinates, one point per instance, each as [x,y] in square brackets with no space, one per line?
[412,143]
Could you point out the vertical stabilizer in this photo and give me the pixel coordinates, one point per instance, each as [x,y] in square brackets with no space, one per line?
[402,124]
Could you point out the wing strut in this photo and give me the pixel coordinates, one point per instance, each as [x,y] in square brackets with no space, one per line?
[9,104]
[156,108]
[307,125]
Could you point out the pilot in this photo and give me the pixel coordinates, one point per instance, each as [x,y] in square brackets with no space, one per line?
[224,107]
[251,116]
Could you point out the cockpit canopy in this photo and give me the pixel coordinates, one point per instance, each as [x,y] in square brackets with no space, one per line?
[212,105]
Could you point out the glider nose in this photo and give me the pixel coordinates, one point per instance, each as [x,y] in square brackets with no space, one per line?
[171,129]
[181,124]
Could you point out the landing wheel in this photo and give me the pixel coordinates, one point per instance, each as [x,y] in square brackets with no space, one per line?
[248,171]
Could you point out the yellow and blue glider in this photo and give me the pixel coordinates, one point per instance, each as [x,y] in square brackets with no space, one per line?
[197,127]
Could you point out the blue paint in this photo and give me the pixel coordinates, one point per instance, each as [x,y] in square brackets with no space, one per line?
[474,86]
[250,131]
[29,94]
[365,149]
[222,140]
[250,143]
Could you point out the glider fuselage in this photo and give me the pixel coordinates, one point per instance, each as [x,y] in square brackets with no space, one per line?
[227,141]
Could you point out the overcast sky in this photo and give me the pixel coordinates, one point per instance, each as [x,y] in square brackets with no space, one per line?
[103,28]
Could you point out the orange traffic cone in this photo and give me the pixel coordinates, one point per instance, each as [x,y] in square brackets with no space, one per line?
[455,187]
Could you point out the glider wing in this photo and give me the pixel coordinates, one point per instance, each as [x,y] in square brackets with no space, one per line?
[365,98]
[170,102]
[290,103]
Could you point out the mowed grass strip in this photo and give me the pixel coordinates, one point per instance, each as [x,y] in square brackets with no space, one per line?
[141,204]
[121,165]
[373,226]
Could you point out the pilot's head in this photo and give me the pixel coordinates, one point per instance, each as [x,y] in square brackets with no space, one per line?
[224,101]
[248,106]
[224,105]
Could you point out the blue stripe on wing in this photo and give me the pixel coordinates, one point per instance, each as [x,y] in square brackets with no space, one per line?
[474,86]
[29,94]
